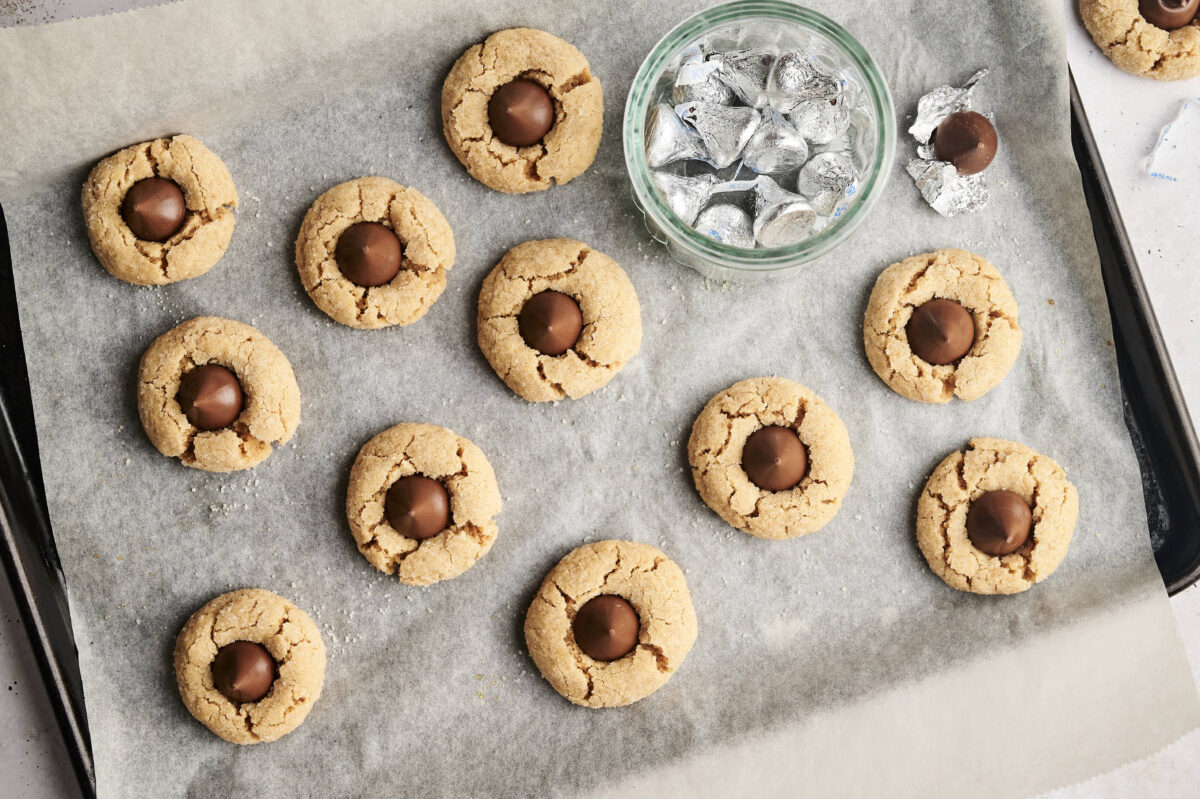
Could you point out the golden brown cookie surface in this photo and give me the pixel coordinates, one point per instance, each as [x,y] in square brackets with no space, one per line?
[207,225]
[993,464]
[289,636]
[638,573]
[570,145]
[968,280]
[271,409]
[427,246]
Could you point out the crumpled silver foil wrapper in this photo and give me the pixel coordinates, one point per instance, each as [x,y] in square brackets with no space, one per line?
[724,129]
[686,195]
[941,103]
[782,217]
[828,180]
[668,139]
[946,191]
[746,72]
[728,224]
[776,146]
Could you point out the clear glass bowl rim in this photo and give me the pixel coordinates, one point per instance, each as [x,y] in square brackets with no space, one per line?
[633,135]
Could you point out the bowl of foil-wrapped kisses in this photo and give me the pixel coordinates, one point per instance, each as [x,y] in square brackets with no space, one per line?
[758,134]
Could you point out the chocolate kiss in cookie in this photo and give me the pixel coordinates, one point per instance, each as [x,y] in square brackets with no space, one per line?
[210,396]
[1169,14]
[774,458]
[940,332]
[968,140]
[550,322]
[243,671]
[999,522]
[417,507]
[521,112]
[368,254]
[606,627]
[154,209]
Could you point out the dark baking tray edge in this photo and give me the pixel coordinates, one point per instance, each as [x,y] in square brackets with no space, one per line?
[1155,409]
[1156,414]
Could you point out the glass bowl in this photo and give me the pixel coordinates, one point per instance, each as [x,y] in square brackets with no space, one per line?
[747,23]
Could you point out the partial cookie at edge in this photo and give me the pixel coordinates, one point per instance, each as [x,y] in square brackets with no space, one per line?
[1138,47]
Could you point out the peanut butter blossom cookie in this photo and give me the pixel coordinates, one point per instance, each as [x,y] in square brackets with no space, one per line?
[771,458]
[217,394]
[941,324]
[996,518]
[611,623]
[522,111]
[421,503]
[558,319]
[1153,38]
[372,253]
[159,211]
[250,666]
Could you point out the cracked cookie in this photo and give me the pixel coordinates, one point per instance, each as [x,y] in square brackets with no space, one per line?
[523,111]
[159,211]
[557,319]
[217,394]
[996,518]
[421,503]
[611,623]
[250,666]
[771,458]
[1153,38]
[372,253]
[941,324]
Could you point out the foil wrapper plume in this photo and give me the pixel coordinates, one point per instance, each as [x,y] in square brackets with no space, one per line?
[946,191]
[772,111]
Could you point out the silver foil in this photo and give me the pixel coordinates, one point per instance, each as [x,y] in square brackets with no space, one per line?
[668,139]
[946,191]
[820,121]
[698,81]
[781,217]
[828,180]
[727,224]
[746,73]
[776,146]
[941,103]
[797,78]
[723,129]
[686,195]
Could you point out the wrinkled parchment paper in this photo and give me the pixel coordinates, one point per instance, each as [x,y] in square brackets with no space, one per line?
[830,665]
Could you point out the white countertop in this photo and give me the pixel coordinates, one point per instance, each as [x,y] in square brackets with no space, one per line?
[1163,222]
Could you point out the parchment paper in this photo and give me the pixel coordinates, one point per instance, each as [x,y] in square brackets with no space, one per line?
[835,664]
